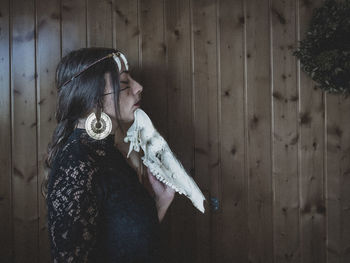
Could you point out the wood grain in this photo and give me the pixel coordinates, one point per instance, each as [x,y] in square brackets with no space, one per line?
[5,135]
[337,179]
[231,227]
[311,158]
[47,57]
[205,119]
[73,25]
[258,99]
[285,134]
[99,23]
[126,32]
[24,133]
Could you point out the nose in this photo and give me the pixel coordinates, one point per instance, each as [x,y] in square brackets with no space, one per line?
[137,88]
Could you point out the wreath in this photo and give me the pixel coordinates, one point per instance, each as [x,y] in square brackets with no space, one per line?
[325,52]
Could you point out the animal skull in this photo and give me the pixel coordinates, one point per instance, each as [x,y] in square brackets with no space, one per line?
[160,159]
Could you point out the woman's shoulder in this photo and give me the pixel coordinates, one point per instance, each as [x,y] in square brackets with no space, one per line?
[74,161]
[79,146]
[73,170]
[83,154]
[73,149]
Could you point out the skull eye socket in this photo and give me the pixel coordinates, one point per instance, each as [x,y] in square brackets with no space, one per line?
[159,156]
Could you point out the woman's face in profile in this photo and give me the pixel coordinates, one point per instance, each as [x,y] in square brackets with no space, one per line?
[129,95]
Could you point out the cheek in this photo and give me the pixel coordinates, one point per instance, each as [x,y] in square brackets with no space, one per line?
[109,106]
[126,104]
[121,103]
[126,101]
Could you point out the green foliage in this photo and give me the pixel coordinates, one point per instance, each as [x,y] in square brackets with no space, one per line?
[325,52]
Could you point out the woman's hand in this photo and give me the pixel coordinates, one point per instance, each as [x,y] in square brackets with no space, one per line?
[164,194]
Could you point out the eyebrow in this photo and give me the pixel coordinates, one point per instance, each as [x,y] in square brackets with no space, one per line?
[125,82]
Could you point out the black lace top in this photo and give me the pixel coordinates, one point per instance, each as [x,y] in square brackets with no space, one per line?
[98,211]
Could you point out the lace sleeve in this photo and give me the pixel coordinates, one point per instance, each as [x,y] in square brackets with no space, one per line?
[72,212]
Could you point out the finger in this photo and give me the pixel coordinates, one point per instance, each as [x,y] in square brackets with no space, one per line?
[152,177]
[149,174]
[152,180]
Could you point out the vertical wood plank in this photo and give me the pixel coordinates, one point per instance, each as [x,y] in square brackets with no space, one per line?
[74,26]
[204,15]
[5,136]
[99,23]
[338,183]
[230,241]
[154,55]
[285,132]
[153,65]
[126,32]
[180,129]
[259,132]
[24,136]
[311,130]
[48,56]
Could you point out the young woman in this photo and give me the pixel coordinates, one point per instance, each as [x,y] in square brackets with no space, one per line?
[98,209]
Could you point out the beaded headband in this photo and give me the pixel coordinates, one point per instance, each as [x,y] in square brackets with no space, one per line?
[116,57]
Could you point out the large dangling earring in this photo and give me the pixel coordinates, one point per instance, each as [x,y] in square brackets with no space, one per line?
[98,126]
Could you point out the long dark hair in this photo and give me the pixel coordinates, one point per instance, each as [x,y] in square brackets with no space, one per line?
[80,96]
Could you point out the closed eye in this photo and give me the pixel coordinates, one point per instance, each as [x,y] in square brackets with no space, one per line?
[125,88]
[124,82]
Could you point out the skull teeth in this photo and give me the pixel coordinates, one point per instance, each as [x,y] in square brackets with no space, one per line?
[167,183]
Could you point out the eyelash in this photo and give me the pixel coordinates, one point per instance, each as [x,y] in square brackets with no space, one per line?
[124,82]
[124,88]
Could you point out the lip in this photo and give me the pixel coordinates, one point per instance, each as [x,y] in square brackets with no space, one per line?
[137,103]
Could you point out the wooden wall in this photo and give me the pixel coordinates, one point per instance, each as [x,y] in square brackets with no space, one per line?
[222,86]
